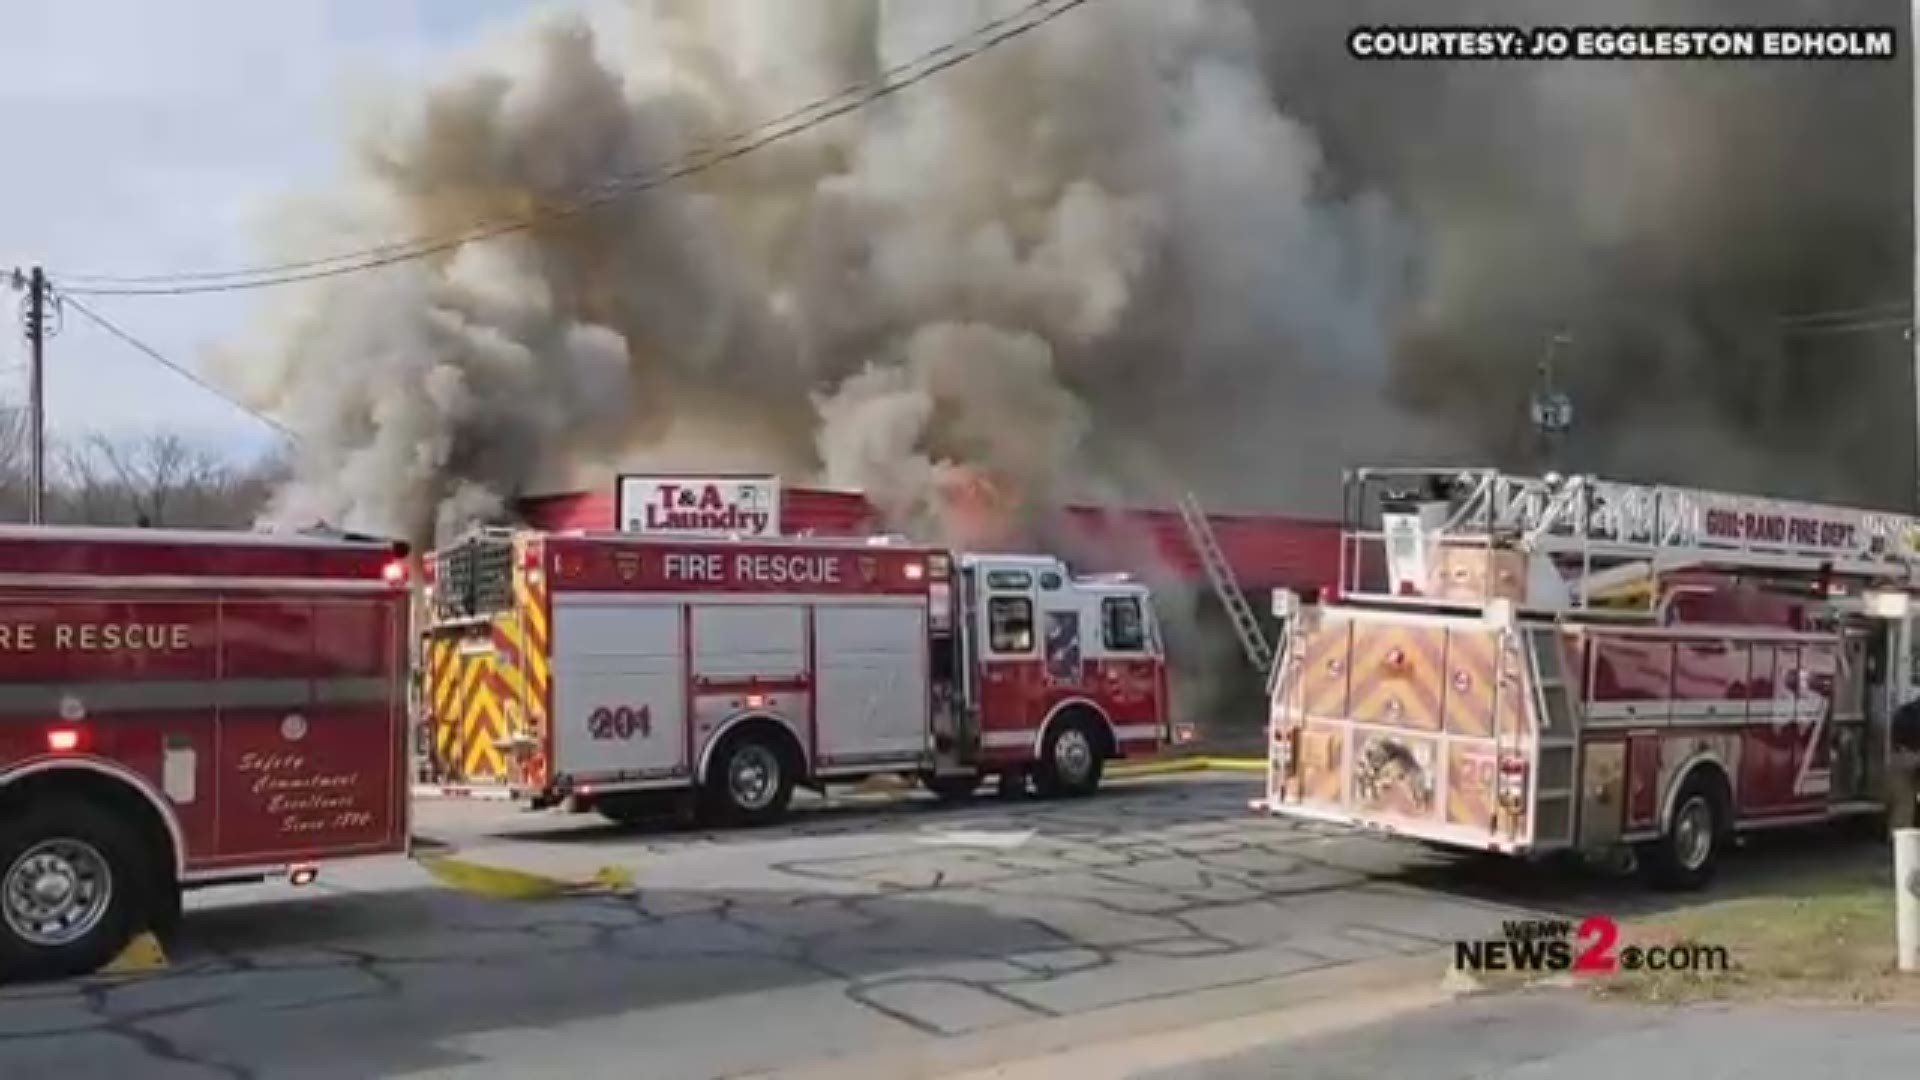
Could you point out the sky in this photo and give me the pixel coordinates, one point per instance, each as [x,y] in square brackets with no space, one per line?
[147,137]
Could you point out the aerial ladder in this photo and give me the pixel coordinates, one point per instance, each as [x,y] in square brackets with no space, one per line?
[1246,626]
[1590,537]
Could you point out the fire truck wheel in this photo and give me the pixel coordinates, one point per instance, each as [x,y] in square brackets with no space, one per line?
[1687,855]
[1071,762]
[71,878]
[751,779]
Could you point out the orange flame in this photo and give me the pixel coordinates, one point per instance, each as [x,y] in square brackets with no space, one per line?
[977,510]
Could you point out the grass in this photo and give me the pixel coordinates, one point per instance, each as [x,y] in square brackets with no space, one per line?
[1831,940]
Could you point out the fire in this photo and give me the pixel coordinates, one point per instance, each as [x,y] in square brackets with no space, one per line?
[978,510]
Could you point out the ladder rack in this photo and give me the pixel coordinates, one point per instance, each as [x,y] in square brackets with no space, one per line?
[1608,521]
[1253,640]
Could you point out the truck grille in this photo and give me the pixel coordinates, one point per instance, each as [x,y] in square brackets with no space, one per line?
[474,578]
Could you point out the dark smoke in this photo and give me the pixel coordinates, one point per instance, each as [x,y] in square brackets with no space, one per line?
[1157,245]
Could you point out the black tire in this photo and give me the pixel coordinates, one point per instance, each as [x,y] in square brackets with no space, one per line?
[165,907]
[1071,760]
[951,788]
[1688,852]
[750,781]
[95,857]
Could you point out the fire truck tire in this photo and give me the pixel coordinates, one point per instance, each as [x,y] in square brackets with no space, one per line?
[1071,762]
[1688,852]
[751,779]
[72,888]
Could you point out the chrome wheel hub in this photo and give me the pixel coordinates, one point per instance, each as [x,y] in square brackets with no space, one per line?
[1693,833]
[754,777]
[1073,755]
[56,892]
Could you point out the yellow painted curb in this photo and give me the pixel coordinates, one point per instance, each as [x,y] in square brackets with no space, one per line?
[500,883]
[1158,768]
[143,955]
[881,782]
[1258,765]
[1186,765]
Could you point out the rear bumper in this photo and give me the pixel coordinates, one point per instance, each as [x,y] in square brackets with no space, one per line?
[1462,840]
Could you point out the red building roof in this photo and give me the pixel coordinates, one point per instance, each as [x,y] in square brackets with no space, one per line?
[1265,552]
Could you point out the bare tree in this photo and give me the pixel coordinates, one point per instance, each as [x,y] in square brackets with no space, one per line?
[159,480]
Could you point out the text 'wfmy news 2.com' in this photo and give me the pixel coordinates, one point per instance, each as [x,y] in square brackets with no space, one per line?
[1623,43]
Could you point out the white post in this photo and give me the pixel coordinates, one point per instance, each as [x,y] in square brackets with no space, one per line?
[1906,903]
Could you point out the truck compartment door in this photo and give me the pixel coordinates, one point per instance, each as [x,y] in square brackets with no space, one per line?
[870,680]
[619,691]
[312,720]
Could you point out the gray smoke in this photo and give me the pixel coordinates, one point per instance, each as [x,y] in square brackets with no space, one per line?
[1155,244]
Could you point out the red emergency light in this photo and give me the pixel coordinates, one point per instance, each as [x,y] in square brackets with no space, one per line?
[395,572]
[65,740]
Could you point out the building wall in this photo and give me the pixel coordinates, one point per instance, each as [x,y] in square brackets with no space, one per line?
[1265,552]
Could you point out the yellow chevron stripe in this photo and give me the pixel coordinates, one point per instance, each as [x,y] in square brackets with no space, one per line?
[533,604]
[511,688]
[481,725]
[446,682]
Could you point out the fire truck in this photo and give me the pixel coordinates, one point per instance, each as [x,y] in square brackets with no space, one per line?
[184,709]
[1540,665]
[594,672]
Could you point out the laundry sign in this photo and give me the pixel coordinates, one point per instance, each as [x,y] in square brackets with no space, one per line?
[745,506]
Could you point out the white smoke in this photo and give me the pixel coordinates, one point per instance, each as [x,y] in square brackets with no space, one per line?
[1012,270]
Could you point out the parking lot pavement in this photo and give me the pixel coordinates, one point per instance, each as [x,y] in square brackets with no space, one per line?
[863,926]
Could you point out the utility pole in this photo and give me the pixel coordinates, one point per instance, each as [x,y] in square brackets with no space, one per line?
[34,320]
[37,339]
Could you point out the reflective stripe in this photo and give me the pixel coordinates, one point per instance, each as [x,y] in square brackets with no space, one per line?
[1133,732]
[44,699]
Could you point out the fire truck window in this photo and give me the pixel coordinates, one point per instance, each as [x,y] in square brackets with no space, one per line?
[1009,579]
[1123,627]
[1063,646]
[1050,581]
[1011,621]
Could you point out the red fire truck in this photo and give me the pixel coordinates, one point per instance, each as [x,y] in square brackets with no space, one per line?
[1568,664]
[594,670]
[186,709]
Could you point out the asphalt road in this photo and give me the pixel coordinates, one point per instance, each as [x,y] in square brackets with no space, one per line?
[906,936]
[1569,1037]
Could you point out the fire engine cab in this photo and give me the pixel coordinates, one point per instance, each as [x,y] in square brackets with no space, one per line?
[1568,664]
[181,709]
[592,671]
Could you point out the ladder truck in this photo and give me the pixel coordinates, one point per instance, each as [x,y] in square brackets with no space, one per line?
[1566,664]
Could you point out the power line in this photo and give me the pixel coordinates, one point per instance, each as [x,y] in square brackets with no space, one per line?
[1855,327]
[1892,307]
[793,123]
[178,369]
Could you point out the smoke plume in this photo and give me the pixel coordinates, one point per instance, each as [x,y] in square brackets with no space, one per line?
[1152,245]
